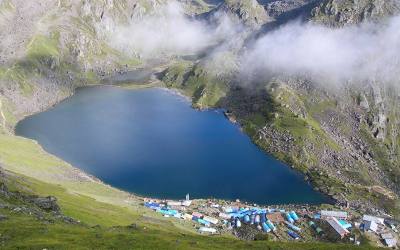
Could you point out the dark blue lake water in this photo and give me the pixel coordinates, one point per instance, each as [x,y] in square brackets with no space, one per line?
[151,142]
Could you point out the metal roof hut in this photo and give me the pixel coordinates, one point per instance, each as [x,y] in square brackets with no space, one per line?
[371,226]
[337,228]
[377,220]
[391,242]
[340,215]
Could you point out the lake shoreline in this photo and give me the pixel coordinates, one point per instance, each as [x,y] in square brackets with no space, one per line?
[186,99]
[159,84]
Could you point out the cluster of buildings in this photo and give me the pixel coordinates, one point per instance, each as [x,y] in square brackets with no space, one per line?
[384,229]
[213,217]
[181,210]
[336,221]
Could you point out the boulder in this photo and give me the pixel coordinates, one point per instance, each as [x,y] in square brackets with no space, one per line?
[3,217]
[47,203]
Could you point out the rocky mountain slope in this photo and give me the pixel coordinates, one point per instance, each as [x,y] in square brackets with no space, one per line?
[249,12]
[338,13]
[59,45]
[345,140]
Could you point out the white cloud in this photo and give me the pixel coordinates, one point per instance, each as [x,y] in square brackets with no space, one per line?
[365,52]
[369,51]
[168,32]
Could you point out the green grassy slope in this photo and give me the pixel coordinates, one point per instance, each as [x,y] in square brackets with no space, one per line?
[26,233]
[104,212]
[23,231]
[77,193]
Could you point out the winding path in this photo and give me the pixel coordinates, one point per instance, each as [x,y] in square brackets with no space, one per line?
[3,118]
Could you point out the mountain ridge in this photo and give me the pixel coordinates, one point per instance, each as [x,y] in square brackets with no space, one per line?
[344,140]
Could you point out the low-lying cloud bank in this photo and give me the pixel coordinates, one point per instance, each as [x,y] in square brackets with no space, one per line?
[367,52]
[361,53]
[167,31]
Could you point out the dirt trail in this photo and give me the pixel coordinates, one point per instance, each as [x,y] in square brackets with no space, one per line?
[3,118]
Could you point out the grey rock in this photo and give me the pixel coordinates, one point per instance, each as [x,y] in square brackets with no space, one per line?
[338,13]
[3,217]
[47,203]
[250,12]
[364,102]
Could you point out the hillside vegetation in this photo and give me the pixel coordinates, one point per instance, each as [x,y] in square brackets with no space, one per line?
[345,137]
[345,142]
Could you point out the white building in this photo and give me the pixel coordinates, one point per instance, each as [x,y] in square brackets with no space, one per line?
[340,215]
[371,226]
[207,230]
[387,236]
[210,219]
[186,203]
[174,203]
[391,242]
[377,220]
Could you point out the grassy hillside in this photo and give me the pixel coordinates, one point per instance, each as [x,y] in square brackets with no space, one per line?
[26,226]
[305,126]
[61,50]
[101,214]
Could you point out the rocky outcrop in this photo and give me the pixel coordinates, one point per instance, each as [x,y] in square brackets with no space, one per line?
[289,9]
[46,203]
[3,217]
[250,12]
[338,13]
[45,209]
[4,190]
